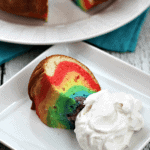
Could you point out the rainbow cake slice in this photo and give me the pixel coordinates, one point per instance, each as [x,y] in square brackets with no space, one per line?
[57,87]
[88,4]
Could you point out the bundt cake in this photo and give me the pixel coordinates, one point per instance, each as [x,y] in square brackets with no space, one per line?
[39,8]
[57,87]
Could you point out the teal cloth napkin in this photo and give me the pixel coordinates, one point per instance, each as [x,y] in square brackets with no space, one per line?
[9,51]
[121,40]
[124,39]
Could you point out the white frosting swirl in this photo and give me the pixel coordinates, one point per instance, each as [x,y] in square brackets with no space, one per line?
[108,121]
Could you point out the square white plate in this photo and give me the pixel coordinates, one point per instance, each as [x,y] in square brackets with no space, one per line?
[20,127]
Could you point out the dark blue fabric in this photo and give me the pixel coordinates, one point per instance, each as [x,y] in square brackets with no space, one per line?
[122,39]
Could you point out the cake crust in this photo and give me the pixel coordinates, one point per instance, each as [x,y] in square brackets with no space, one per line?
[27,8]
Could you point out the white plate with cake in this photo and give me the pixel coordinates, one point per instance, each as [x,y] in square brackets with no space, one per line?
[21,128]
[66,22]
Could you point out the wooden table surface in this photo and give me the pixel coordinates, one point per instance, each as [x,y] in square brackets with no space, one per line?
[140,58]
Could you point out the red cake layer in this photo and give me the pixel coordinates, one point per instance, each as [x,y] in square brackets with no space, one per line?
[69,67]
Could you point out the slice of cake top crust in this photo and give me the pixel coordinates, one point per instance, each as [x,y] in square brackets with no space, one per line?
[57,87]
[27,8]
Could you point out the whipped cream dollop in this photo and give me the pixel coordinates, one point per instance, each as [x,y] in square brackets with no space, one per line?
[108,121]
